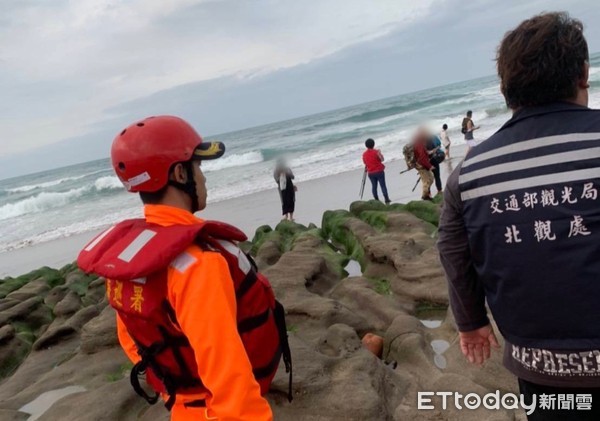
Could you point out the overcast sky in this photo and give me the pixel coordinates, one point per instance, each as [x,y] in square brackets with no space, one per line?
[73,73]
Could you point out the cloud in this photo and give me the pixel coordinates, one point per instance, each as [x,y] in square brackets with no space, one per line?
[64,63]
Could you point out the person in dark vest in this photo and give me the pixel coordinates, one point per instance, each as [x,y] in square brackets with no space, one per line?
[373,160]
[284,177]
[520,225]
[193,314]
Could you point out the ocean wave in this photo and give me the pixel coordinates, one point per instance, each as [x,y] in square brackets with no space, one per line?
[235,160]
[40,203]
[51,183]
[49,200]
[109,182]
[27,188]
[398,109]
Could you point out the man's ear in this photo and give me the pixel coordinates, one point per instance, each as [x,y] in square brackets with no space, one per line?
[179,174]
[585,77]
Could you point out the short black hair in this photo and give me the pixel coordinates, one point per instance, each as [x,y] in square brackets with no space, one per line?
[469,113]
[370,143]
[542,60]
[445,127]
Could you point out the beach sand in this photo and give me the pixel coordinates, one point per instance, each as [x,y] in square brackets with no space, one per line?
[249,212]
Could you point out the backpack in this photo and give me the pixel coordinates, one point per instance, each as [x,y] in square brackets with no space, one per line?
[409,155]
[464,125]
[438,156]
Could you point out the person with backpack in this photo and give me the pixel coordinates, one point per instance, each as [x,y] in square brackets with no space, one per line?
[416,156]
[468,127]
[436,157]
[373,160]
[193,313]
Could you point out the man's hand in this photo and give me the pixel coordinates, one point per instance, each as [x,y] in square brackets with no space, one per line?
[476,344]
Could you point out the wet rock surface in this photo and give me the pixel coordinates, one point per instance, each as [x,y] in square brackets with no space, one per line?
[58,335]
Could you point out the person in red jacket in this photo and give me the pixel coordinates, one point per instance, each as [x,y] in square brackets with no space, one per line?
[423,166]
[373,160]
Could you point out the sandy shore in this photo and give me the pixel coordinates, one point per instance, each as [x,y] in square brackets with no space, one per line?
[248,212]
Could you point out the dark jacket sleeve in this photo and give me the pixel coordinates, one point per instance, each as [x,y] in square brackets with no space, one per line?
[467,297]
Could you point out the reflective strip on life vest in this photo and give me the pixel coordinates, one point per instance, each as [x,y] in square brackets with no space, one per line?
[183,262]
[99,238]
[136,245]
[243,262]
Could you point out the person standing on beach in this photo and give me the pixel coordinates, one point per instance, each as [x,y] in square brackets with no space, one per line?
[373,160]
[520,224]
[423,163]
[287,190]
[193,314]
[436,157]
[445,140]
[468,127]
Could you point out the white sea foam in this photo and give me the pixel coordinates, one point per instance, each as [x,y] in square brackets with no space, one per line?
[108,182]
[51,183]
[40,203]
[235,160]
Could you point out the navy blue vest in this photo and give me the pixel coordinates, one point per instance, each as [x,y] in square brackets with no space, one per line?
[531,203]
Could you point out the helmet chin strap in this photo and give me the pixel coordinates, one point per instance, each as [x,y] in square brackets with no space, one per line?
[189,187]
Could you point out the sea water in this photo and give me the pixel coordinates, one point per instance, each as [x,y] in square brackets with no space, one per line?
[65,201]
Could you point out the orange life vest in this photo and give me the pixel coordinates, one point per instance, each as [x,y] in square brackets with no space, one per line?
[134,256]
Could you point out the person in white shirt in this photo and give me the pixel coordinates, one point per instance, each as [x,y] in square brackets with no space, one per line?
[445,140]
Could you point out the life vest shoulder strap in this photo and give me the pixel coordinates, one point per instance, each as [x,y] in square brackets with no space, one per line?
[136,249]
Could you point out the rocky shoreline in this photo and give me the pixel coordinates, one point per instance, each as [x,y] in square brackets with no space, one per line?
[372,269]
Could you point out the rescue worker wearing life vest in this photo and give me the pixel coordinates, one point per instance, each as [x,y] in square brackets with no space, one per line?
[520,225]
[193,314]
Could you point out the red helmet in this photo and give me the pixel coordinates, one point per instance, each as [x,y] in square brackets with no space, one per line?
[144,152]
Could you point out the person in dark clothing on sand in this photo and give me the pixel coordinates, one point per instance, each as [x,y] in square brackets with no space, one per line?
[436,157]
[287,190]
[373,160]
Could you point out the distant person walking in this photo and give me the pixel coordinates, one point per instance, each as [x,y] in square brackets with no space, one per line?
[445,140]
[373,160]
[287,190]
[423,163]
[468,127]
